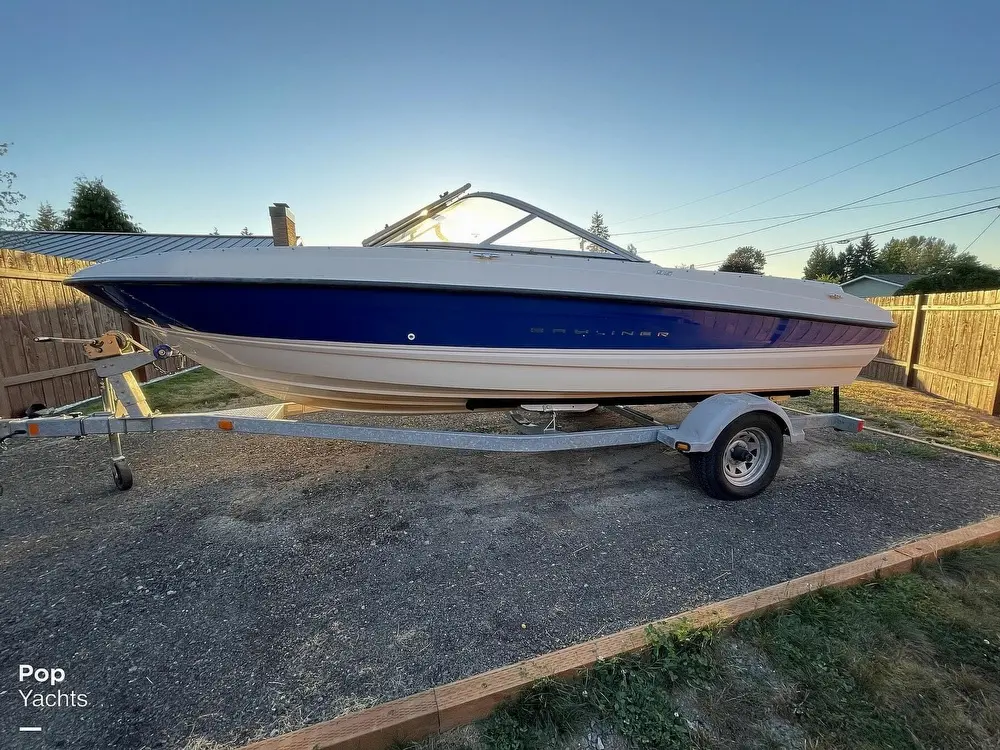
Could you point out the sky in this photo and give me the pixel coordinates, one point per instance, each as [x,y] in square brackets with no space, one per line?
[200,115]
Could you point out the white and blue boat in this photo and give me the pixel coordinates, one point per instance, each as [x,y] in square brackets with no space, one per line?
[481,300]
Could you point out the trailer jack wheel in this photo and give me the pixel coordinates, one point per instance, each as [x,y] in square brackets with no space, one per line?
[122,473]
[743,460]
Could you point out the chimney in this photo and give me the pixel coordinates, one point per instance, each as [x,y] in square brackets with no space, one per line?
[282,225]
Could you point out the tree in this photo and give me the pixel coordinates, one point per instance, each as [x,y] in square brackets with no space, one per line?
[822,262]
[829,278]
[214,232]
[866,254]
[10,216]
[744,259]
[965,274]
[917,255]
[94,207]
[245,232]
[632,250]
[599,228]
[47,219]
[859,259]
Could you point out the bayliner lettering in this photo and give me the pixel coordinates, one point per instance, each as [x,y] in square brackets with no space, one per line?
[658,334]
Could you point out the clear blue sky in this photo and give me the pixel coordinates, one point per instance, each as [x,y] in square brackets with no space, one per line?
[354,113]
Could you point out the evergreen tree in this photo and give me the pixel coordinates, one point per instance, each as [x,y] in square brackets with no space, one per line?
[865,256]
[632,250]
[94,207]
[245,232]
[47,219]
[744,259]
[10,216]
[599,228]
[822,262]
[214,232]
[859,259]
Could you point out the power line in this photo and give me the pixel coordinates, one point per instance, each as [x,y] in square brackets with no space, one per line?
[981,233]
[839,236]
[784,216]
[814,158]
[852,167]
[919,224]
[835,208]
[808,245]
[780,216]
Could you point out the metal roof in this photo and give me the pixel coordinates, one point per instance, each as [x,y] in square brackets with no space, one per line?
[896,279]
[96,246]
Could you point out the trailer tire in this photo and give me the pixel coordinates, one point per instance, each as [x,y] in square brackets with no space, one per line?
[743,459]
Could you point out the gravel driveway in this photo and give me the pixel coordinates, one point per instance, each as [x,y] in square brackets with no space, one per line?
[248,585]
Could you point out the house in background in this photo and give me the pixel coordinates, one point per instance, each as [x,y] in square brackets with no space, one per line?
[878,284]
[35,302]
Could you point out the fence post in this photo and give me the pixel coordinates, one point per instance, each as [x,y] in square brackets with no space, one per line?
[5,410]
[142,375]
[916,331]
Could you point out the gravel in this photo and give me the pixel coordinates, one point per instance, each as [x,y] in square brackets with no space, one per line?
[249,586]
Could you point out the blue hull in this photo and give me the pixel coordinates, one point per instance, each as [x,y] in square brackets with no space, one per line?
[475,318]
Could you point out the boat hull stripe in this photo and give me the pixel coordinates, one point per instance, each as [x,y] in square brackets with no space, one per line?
[435,317]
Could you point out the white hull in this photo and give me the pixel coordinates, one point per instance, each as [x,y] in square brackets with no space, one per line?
[407,379]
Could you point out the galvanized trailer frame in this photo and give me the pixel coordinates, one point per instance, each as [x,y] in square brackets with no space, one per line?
[125,412]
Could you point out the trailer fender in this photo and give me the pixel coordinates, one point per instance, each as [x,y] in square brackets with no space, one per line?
[699,430]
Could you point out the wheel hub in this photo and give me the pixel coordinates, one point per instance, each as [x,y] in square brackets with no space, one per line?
[747,456]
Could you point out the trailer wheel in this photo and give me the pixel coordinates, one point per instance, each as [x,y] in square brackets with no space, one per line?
[122,473]
[743,460]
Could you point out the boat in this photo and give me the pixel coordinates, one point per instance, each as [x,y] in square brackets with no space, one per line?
[480,300]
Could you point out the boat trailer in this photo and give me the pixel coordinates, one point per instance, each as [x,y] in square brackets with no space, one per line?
[734,441]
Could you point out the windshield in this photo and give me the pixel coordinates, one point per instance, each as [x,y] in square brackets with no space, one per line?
[487,219]
[472,221]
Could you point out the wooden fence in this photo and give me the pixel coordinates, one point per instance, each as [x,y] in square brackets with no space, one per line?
[34,302]
[946,344]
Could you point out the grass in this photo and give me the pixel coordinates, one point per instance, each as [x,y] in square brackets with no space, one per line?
[199,389]
[911,413]
[916,450]
[909,662]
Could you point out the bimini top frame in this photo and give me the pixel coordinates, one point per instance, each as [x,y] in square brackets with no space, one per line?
[456,197]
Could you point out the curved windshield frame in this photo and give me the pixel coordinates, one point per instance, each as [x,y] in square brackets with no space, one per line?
[493,220]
